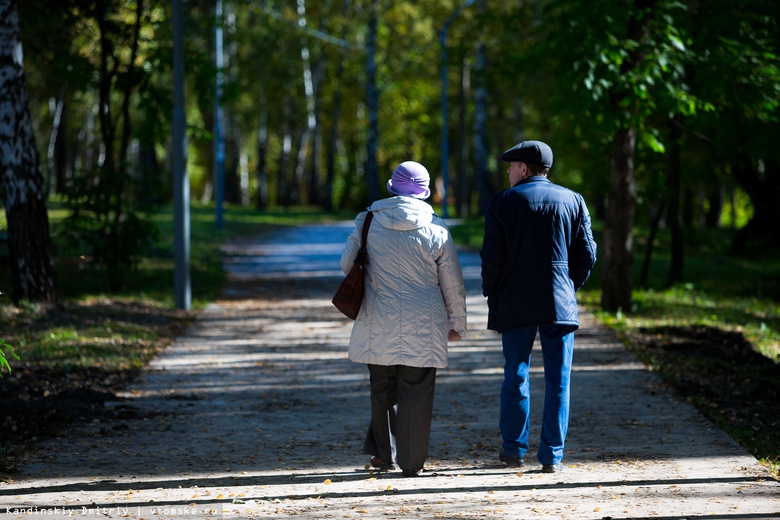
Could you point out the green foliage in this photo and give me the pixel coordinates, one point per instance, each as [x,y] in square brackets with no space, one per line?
[616,65]
[4,365]
[115,233]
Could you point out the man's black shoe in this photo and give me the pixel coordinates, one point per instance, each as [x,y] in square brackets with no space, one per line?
[514,462]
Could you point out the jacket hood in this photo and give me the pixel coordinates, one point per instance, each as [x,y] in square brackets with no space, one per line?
[402,213]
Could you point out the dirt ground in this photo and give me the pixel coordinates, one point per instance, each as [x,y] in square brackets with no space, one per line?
[254,412]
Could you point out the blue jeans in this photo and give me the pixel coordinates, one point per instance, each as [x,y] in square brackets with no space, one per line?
[557,349]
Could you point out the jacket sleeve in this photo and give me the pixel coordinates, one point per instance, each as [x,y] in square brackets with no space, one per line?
[353,244]
[582,253]
[452,287]
[492,252]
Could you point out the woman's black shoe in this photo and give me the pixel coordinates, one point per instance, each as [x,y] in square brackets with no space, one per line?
[378,463]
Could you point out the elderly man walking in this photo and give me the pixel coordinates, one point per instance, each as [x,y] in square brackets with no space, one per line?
[538,250]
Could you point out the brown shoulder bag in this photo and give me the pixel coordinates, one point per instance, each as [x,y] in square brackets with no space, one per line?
[349,295]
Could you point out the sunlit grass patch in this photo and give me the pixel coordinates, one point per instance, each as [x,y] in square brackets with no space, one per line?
[92,333]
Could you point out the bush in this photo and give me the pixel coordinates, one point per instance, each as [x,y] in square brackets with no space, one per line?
[108,223]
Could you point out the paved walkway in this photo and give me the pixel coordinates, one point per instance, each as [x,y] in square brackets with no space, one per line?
[254,412]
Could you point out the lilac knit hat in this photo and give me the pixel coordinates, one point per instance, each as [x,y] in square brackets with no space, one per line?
[410,179]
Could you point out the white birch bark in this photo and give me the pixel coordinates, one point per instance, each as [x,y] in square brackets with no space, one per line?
[32,272]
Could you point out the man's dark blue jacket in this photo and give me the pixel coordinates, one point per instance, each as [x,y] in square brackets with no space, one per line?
[538,251]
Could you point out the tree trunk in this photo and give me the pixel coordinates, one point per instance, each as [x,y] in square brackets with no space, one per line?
[63,155]
[354,171]
[372,94]
[307,136]
[315,172]
[482,181]
[673,184]
[616,284]
[463,202]
[262,161]
[231,177]
[654,225]
[29,247]
[715,206]
[153,189]
[333,138]
[298,186]
[687,206]
[53,136]
[283,182]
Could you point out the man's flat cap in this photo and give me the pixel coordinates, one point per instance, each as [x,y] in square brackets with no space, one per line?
[529,152]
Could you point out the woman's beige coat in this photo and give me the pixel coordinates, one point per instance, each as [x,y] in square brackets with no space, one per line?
[414,286]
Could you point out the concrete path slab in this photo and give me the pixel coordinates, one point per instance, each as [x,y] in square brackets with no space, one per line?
[255,412]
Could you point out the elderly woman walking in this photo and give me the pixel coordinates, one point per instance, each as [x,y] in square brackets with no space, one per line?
[414,304]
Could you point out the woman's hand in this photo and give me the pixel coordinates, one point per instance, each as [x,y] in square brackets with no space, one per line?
[452,335]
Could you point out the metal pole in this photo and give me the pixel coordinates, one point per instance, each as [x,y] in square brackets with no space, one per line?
[181,182]
[445,167]
[219,138]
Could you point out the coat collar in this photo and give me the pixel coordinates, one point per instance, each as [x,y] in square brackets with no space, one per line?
[533,178]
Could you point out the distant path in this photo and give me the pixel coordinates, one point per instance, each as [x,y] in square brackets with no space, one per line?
[256,412]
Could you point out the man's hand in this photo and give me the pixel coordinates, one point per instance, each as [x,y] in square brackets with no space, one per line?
[452,335]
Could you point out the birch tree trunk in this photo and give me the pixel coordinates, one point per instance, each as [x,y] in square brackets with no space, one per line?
[32,271]
[311,119]
[284,196]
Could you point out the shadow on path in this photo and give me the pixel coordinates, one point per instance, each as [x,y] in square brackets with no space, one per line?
[256,412]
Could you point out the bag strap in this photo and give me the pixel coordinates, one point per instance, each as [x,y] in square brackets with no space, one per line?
[366,224]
